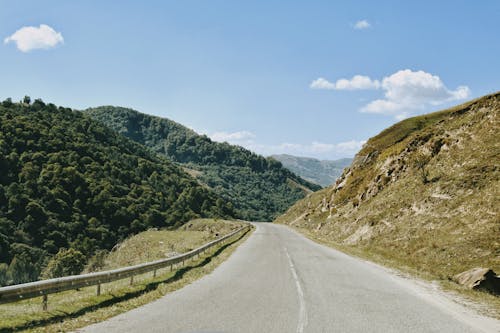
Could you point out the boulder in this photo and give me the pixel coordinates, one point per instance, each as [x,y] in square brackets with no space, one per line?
[479,279]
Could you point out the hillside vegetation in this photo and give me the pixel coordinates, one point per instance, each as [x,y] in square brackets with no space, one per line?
[154,244]
[423,194]
[258,188]
[67,181]
[321,172]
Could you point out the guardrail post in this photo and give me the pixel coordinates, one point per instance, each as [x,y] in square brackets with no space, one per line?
[154,273]
[98,289]
[44,302]
[132,280]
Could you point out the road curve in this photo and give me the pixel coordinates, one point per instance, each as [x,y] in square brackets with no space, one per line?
[279,281]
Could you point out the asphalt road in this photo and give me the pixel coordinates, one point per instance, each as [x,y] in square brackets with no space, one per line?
[279,281]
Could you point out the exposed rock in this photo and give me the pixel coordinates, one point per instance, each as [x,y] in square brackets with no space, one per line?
[364,232]
[479,279]
[441,196]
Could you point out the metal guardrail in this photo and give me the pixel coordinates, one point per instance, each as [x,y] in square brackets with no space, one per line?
[43,288]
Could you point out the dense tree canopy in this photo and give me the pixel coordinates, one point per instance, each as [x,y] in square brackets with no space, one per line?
[259,188]
[67,181]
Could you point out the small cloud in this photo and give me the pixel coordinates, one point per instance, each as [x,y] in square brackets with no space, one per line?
[407,91]
[319,149]
[321,83]
[234,137]
[350,147]
[315,149]
[363,24]
[357,82]
[32,38]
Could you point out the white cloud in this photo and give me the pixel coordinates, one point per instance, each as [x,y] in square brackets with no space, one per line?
[350,146]
[233,137]
[322,83]
[355,83]
[407,91]
[363,24]
[315,149]
[32,38]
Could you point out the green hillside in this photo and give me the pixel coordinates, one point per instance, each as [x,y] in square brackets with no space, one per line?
[67,181]
[258,188]
[421,195]
[321,172]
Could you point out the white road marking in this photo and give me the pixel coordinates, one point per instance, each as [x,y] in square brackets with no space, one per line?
[302,304]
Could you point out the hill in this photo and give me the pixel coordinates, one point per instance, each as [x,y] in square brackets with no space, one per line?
[67,181]
[258,188]
[422,195]
[321,172]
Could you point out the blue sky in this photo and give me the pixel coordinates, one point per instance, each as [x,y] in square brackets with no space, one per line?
[311,78]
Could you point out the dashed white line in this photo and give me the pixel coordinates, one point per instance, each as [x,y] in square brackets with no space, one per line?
[302,304]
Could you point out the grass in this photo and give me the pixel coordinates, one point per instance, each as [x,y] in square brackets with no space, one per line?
[74,309]
[434,229]
[158,244]
[401,130]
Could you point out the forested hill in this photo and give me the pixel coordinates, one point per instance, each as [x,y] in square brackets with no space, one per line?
[258,188]
[68,181]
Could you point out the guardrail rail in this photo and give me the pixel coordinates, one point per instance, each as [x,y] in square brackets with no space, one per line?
[43,288]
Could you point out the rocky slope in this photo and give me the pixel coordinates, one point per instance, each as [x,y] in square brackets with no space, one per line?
[422,194]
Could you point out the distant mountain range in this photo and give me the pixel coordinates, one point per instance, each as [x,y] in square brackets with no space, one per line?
[258,188]
[322,172]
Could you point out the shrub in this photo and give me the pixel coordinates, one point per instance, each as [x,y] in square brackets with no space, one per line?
[420,161]
[4,279]
[65,262]
[26,264]
[97,261]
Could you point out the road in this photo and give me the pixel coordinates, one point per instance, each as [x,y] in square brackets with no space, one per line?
[279,281]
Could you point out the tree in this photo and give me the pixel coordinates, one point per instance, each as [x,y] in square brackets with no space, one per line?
[420,161]
[26,264]
[4,280]
[7,102]
[27,100]
[65,262]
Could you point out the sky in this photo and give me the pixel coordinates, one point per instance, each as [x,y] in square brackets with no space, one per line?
[308,78]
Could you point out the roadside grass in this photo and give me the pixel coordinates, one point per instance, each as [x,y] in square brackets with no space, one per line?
[74,309]
[158,244]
